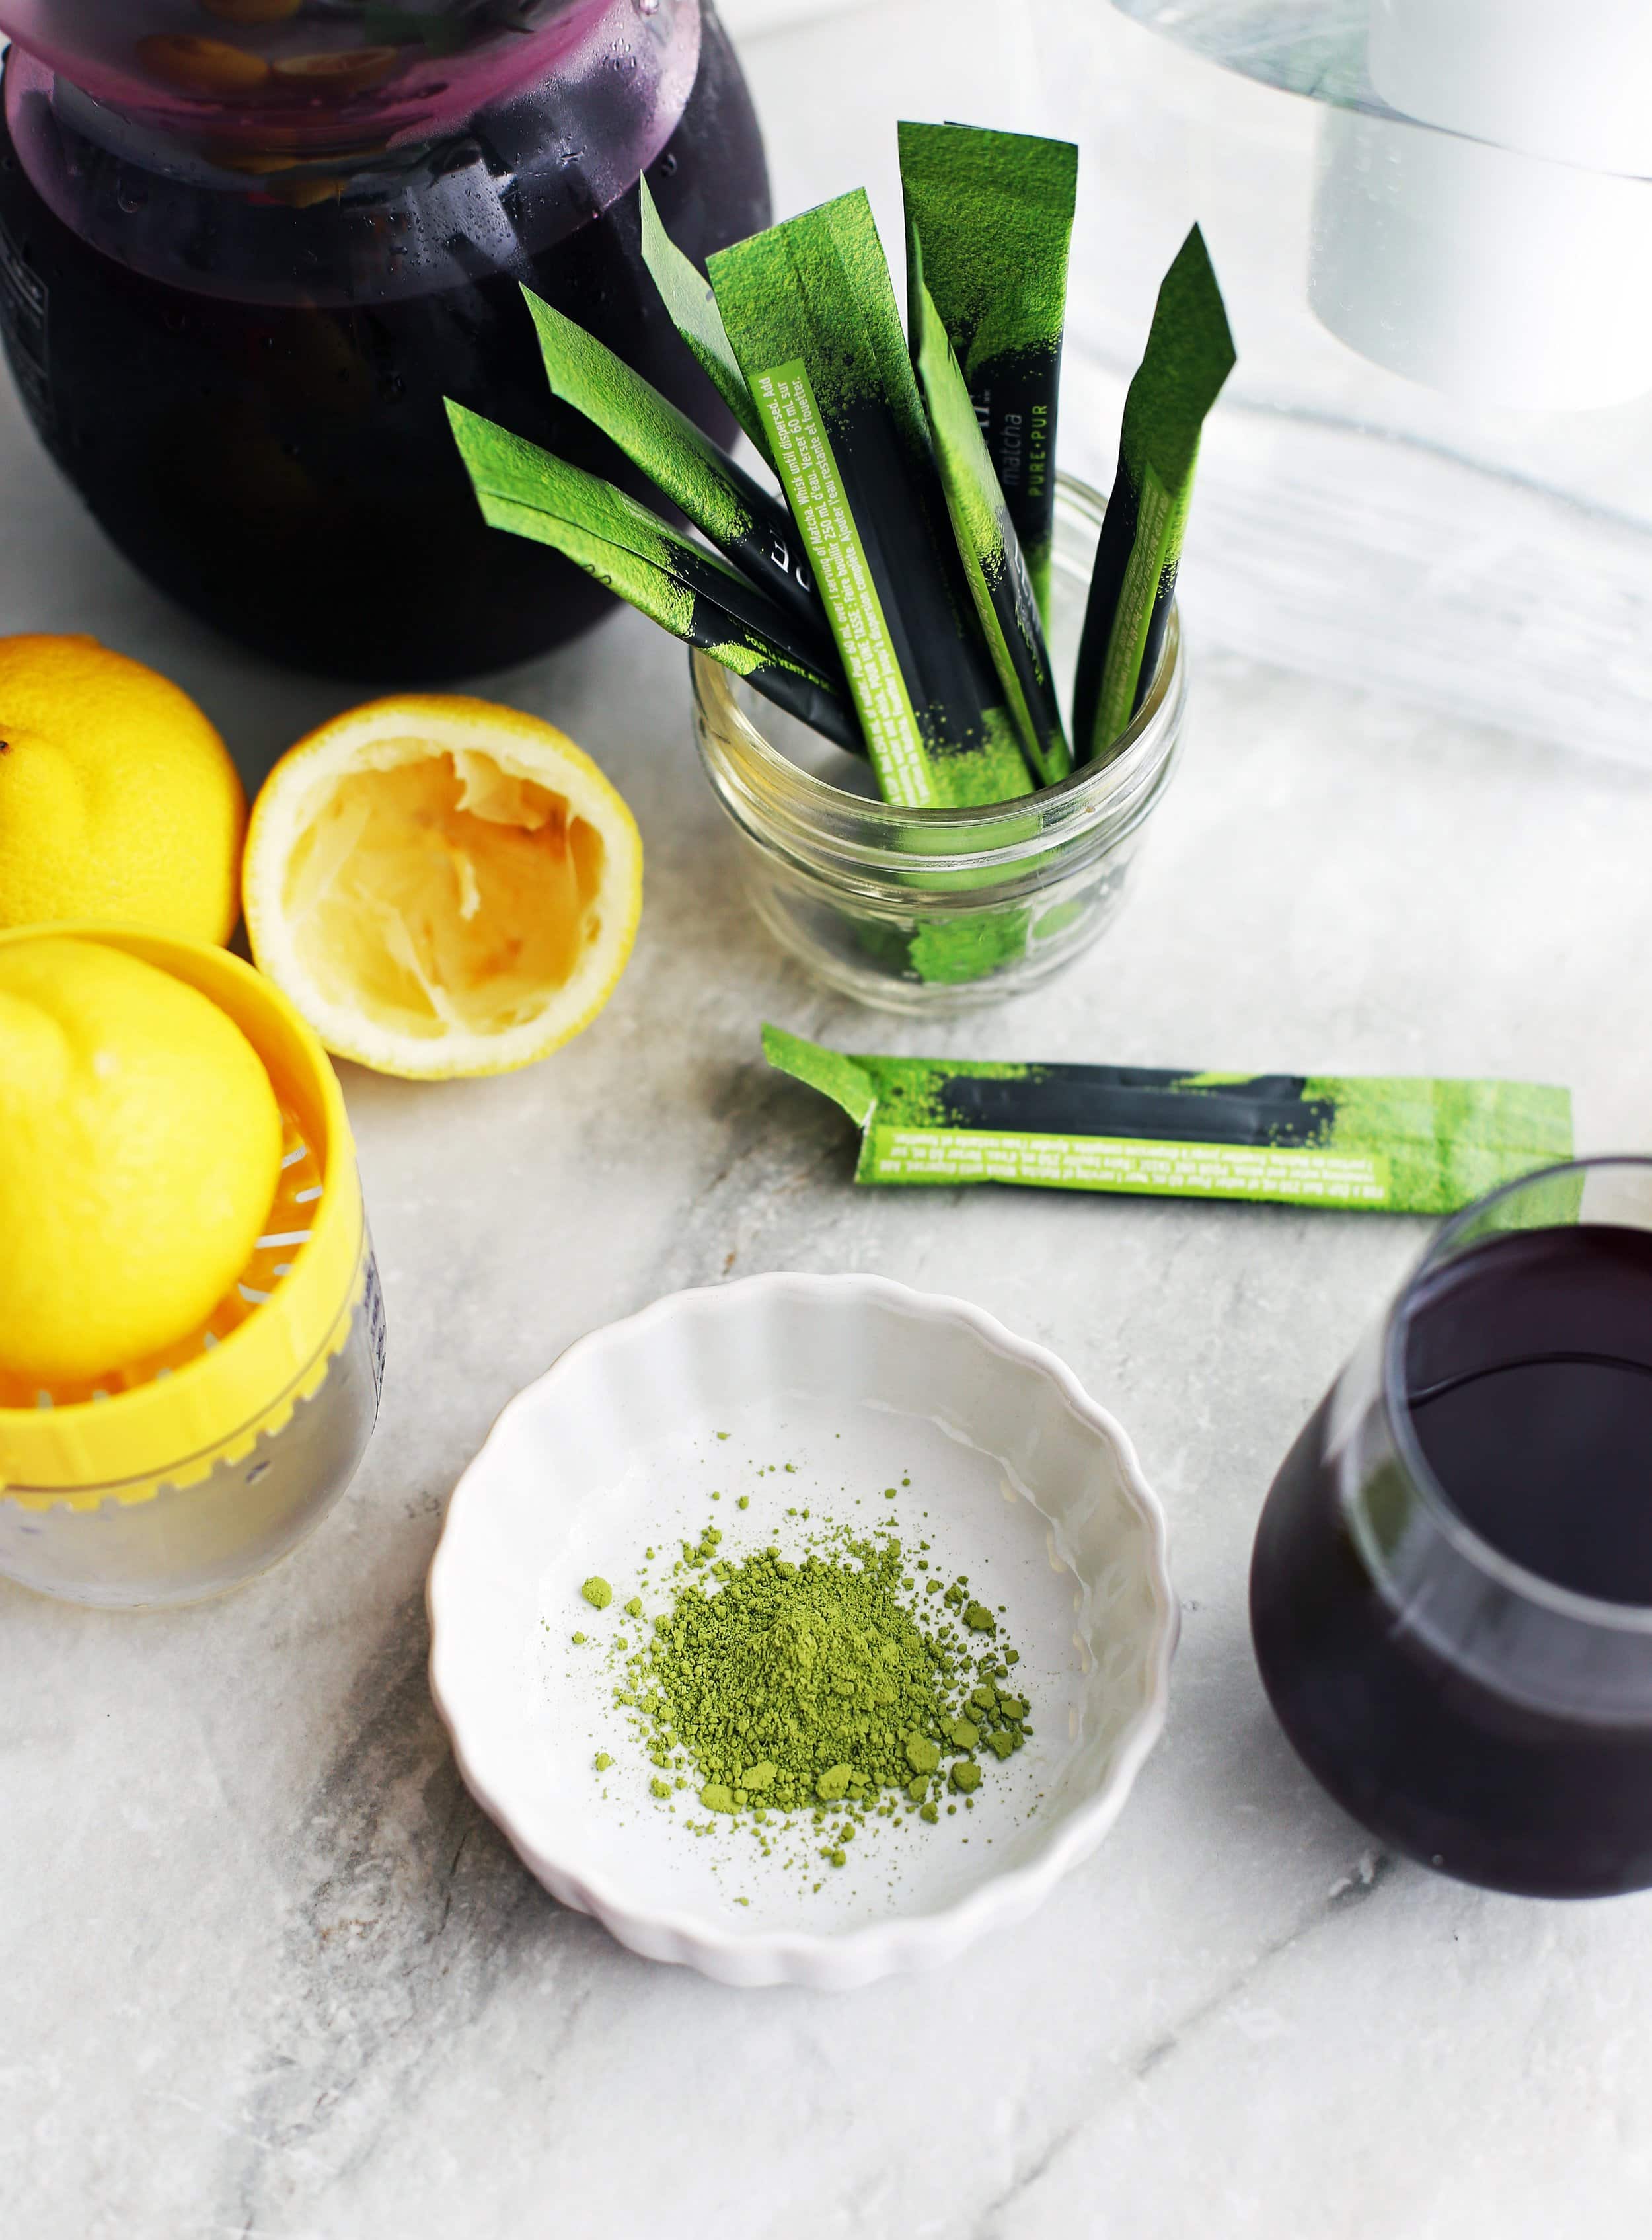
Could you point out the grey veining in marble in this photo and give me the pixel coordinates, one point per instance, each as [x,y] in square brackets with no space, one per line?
[268,1972]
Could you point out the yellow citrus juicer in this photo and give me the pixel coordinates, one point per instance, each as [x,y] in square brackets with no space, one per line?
[183,1474]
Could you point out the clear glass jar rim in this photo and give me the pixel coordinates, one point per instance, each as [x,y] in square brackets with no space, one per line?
[827,815]
[1473,1547]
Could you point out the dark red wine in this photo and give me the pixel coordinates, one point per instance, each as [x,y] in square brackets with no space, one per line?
[286,470]
[1516,1751]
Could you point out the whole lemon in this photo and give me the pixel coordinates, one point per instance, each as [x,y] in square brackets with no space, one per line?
[143,1143]
[118,801]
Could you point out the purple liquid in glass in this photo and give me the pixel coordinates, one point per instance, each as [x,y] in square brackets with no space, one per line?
[1492,1721]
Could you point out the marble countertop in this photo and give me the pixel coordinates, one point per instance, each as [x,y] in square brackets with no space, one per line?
[264,1969]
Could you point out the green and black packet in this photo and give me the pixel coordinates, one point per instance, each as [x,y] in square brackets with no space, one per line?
[691,592]
[1360,1143]
[810,312]
[1005,603]
[1190,353]
[739,516]
[892,597]
[994,213]
[686,293]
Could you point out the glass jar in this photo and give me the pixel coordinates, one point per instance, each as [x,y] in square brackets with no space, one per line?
[184,1476]
[940,910]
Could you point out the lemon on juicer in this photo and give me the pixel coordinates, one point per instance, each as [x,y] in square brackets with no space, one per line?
[118,800]
[142,1144]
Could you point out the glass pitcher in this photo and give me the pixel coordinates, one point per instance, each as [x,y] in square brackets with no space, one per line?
[248,246]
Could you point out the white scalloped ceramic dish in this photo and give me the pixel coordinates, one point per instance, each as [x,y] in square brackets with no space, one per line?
[816,1392]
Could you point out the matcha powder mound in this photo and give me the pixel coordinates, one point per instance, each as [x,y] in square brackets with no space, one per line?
[809,1684]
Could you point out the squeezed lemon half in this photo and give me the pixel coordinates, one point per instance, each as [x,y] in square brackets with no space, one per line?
[443,886]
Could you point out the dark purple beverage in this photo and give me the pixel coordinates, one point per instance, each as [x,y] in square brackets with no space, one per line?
[1451,1592]
[242,372]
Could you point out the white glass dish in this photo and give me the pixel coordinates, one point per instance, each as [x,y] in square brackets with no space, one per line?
[1014,1476]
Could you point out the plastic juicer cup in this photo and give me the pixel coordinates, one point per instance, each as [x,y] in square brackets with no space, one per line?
[182,1476]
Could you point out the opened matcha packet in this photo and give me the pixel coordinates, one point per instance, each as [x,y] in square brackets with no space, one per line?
[993,567]
[994,213]
[1190,353]
[1366,1144]
[686,293]
[810,312]
[753,528]
[692,593]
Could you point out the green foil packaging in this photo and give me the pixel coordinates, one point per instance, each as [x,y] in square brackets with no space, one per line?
[810,312]
[1381,1146]
[993,565]
[687,295]
[718,497]
[1190,353]
[693,593]
[994,213]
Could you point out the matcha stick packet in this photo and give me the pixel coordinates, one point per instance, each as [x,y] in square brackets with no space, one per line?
[1377,1145]
[810,312]
[686,293]
[990,550]
[690,592]
[718,497]
[507,467]
[1190,353]
[994,213]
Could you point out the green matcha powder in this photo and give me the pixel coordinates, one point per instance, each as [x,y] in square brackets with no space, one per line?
[778,1687]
